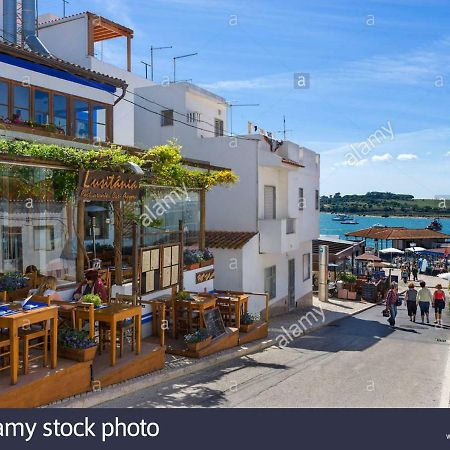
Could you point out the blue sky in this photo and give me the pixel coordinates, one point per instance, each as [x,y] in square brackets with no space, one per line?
[373,66]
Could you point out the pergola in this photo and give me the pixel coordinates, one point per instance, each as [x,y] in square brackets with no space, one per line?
[401,237]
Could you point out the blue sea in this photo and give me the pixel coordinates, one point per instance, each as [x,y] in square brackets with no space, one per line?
[331,227]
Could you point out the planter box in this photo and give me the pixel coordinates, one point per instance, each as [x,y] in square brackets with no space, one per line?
[208,262]
[351,295]
[343,294]
[199,345]
[80,355]
[248,327]
[192,267]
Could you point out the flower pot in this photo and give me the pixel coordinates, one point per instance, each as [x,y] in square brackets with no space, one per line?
[351,295]
[343,294]
[78,354]
[208,262]
[192,267]
[197,346]
[246,328]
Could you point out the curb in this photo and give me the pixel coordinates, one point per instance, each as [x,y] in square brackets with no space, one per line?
[92,399]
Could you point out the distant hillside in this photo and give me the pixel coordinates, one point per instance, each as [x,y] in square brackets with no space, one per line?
[380,203]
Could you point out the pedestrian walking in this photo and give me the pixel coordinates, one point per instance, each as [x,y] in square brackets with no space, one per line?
[438,304]
[404,273]
[408,269]
[391,304]
[424,298]
[415,272]
[411,302]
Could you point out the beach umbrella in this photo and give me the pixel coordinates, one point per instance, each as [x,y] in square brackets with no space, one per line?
[415,249]
[391,250]
[445,276]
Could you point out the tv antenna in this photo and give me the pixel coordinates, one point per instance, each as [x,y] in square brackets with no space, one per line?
[232,105]
[284,131]
[152,49]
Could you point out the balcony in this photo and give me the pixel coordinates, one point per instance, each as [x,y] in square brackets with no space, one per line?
[278,235]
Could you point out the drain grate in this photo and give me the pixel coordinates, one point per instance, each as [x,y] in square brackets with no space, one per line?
[441,340]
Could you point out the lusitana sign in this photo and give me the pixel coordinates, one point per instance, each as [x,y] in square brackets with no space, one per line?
[108,186]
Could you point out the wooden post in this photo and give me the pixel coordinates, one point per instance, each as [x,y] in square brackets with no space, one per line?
[80,241]
[135,237]
[118,240]
[181,277]
[162,315]
[129,53]
[267,308]
[202,231]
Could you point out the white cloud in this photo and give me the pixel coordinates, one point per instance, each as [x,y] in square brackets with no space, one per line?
[382,158]
[447,154]
[351,163]
[406,156]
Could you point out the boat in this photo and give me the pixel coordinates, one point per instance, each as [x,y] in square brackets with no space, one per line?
[435,225]
[349,222]
[377,225]
[339,217]
[385,215]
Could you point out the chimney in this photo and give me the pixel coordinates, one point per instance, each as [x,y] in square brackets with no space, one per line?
[29,28]
[10,21]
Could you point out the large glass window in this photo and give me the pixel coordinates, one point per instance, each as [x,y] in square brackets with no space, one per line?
[99,123]
[21,109]
[81,119]
[41,107]
[4,102]
[60,112]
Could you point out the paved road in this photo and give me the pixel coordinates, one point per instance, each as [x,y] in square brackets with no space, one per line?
[358,362]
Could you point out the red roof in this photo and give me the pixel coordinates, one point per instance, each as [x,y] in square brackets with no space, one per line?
[398,233]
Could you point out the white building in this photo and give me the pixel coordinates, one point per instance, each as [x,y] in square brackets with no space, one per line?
[273,212]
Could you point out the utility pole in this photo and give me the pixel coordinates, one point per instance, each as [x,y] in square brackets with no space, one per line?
[152,49]
[146,68]
[175,64]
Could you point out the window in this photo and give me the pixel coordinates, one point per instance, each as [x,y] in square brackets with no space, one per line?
[60,112]
[44,238]
[317,200]
[301,199]
[21,110]
[306,266]
[41,107]
[193,117]
[4,102]
[81,119]
[270,211]
[167,118]
[218,127]
[270,281]
[290,226]
[99,123]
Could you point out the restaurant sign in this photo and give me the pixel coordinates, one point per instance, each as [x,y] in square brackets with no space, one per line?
[201,277]
[106,186]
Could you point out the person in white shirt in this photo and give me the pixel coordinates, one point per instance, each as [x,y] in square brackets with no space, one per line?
[424,299]
[47,289]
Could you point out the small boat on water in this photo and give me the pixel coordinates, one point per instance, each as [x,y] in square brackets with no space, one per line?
[339,217]
[349,221]
[435,225]
[377,225]
[385,215]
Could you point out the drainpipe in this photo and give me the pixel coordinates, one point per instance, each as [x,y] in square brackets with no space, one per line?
[122,95]
[29,28]
[10,21]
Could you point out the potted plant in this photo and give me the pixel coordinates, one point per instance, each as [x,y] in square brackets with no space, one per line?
[197,340]
[191,259]
[14,284]
[76,345]
[183,295]
[92,298]
[207,258]
[249,322]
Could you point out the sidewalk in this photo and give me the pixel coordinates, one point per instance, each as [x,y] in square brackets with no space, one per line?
[288,327]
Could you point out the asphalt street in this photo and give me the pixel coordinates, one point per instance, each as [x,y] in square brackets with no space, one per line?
[357,362]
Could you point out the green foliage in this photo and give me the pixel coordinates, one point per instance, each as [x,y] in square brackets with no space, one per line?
[165,163]
[248,318]
[347,277]
[183,295]
[70,338]
[92,298]
[197,336]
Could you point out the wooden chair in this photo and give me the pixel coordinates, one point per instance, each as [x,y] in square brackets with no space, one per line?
[81,310]
[105,276]
[3,297]
[227,311]
[5,353]
[32,334]
[123,327]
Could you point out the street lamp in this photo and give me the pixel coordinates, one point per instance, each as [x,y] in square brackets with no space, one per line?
[175,63]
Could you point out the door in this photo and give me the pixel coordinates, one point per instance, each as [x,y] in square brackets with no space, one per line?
[12,249]
[291,284]
[270,211]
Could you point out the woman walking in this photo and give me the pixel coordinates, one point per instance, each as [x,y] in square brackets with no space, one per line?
[424,298]
[411,302]
[438,304]
[404,274]
[391,304]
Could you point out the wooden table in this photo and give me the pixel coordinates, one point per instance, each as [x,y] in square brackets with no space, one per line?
[26,319]
[197,304]
[113,314]
[239,303]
